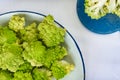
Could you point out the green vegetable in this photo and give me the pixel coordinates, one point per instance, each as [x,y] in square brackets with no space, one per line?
[22,76]
[41,74]
[25,67]
[99,8]
[7,35]
[29,33]
[61,68]
[33,53]
[50,34]
[5,75]
[54,53]
[16,23]
[10,57]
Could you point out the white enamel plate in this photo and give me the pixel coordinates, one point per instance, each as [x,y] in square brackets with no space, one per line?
[75,55]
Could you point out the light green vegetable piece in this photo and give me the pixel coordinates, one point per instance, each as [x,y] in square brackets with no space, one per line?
[19,75]
[29,33]
[25,67]
[10,57]
[99,8]
[41,74]
[5,75]
[16,23]
[7,35]
[50,33]
[54,53]
[33,53]
[61,68]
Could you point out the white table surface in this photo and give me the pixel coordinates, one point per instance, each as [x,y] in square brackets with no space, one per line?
[101,53]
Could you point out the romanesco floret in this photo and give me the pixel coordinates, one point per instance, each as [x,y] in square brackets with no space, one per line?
[16,23]
[61,68]
[41,74]
[19,75]
[33,52]
[99,8]
[54,53]
[25,67]
[5,75]
[29,33]
[10,57]
[7,35]
[50,33]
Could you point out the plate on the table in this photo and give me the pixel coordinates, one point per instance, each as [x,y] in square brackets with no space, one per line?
[74,53]
[105,25]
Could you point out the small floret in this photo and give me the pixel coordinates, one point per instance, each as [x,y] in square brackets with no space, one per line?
[54,53]
[10,57]
[50,33]
[41,74]
[17,23]
[61,68]
[7,36]
[5,75]
[33,52]
[29,33]
[25,67]
[19,75]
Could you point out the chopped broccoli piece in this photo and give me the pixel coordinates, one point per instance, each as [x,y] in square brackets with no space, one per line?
[10,57]
[7,35]
[41,74]
[33,52]
[19,75]
[16,23]
[61,68]
[5,75]
[50,33]
[29,33]
[54,53]
[25,67]
[99,8]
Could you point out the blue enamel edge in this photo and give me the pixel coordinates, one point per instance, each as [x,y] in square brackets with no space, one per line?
[60,26]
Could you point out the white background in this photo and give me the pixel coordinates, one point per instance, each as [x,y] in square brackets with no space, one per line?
[101,53]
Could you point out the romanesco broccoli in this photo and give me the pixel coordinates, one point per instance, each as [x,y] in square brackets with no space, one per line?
[41,74]
[50,33]
[33,52]
[7,35]
[25,67]
[61,68]
[19,75]
[5,75]
[16,23]
[54,53]
[10,57]
[29,33]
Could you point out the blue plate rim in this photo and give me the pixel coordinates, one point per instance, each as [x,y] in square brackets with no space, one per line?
[84,71]
[94,30]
